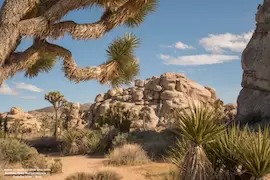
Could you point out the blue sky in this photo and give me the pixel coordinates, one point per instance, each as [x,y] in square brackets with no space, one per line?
[203,39]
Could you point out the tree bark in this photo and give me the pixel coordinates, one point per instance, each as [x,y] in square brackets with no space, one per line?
[56,124]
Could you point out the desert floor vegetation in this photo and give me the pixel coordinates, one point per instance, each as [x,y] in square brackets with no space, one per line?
[128,154]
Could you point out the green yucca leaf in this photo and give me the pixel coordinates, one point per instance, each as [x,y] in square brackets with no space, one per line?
[253,151]
[44,64]
[199,123]
[223,147]
[121,52]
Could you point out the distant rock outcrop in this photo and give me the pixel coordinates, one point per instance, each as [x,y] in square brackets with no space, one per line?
[156,96]
[17,114]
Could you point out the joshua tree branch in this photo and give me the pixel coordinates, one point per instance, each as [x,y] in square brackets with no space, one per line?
[22,60]
[40,26]
[11,13]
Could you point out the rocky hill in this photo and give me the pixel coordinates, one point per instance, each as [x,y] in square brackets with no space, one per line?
[32,120]
[158,95]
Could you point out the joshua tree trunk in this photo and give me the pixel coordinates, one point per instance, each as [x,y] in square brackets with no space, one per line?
[6,126]
[254,99]
[56,123]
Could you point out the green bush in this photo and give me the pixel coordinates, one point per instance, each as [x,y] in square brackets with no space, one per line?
[56,166]
[101,175]
[13,151]
[117,116]
[120,140]
[128,154]
[36,161]
[81,141]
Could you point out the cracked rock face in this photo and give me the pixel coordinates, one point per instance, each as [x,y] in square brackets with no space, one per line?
[254,97]
[159,95]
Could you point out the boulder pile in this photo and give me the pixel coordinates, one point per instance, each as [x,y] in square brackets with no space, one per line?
[157,96]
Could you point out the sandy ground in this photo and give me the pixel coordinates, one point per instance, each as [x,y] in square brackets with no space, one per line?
[73,164]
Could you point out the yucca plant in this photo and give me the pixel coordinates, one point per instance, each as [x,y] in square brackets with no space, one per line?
[199,125]
[221,152]
[178,152]
[70,142]
[252,151]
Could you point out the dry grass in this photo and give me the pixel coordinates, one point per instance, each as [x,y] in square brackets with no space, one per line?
[128,154]
[101,175]
[56,166]
[36,161]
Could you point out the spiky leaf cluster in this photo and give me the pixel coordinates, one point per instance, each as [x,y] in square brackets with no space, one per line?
[122,59]
[150,6]
[199,123]
[252,151]
[55,98]
[44,64]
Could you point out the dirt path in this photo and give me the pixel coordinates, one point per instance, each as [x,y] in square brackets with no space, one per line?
[73,164]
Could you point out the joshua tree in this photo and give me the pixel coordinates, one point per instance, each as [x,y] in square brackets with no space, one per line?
[4,125]
[46,124]
[57,100]
[41,20]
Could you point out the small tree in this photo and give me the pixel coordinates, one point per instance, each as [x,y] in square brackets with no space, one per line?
[57,100]
[46,124]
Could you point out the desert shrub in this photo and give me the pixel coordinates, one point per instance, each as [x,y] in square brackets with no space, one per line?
[120,139]
[13,151]
[107,175]
[128,154]
[118,116]
[56,166]
[36,161]
[101,175]
[154,143]
[81,141]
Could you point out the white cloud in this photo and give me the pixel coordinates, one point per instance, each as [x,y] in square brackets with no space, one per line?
[181,45]
[28,97]
[6,90]
[28,87]
[219,43]
[197,59]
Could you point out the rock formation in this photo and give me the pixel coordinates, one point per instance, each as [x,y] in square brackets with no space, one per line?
[156,97]
[254,98]
[72,115]
[27,120]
